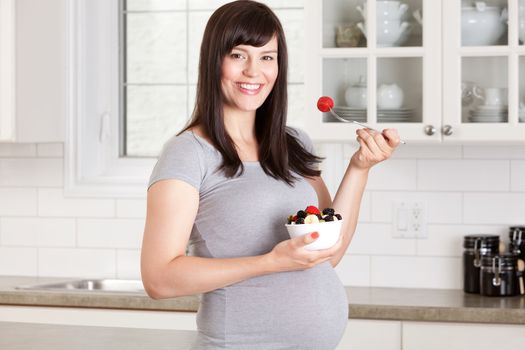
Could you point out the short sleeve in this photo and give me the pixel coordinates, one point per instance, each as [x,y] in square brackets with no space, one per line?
[180,159]
[305,140]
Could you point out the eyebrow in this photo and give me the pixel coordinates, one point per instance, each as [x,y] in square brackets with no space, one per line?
[243,50]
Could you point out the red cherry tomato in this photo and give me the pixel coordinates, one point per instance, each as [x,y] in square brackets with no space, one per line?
[325,104]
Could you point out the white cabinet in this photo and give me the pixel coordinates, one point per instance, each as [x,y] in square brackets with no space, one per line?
[460,336]
[100,317]
[371,335]
[36,113]
[7,67]
[421,77]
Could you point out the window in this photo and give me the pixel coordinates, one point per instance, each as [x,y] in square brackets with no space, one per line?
[132,82]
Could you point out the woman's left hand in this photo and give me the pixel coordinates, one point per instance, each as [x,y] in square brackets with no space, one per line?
[374,147]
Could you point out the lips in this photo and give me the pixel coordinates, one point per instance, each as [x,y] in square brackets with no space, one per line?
[250,89]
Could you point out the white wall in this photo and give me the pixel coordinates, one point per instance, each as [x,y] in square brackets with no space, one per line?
[468,190]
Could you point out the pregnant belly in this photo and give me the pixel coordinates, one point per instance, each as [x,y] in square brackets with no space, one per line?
[293,310]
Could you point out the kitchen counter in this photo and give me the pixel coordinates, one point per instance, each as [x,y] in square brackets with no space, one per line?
[14,336]
[406,304]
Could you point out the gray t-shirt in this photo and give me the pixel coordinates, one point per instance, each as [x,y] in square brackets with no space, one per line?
[245,216]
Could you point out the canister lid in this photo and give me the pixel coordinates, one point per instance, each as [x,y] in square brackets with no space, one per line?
[505,260]
[517,233]
[485,241]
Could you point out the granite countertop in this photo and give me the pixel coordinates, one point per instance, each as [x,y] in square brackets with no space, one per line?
[406,304]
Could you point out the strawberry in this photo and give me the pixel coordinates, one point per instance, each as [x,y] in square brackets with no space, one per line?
[311,209]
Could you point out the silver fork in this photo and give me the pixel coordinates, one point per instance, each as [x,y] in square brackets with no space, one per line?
[358,123]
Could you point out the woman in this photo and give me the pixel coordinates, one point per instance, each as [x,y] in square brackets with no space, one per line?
[226,185]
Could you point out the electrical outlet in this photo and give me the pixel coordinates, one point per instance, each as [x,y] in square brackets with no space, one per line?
[409,219]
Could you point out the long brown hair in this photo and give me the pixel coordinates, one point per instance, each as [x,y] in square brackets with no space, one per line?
[247,22]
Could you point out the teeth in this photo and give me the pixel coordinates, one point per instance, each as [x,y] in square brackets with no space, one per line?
[250,86]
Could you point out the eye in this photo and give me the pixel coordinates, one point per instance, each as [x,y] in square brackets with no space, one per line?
[236,56]
[268,58]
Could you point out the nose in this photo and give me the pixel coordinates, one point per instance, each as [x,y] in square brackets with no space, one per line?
[251,69]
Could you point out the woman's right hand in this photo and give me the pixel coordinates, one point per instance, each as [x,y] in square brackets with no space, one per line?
[291,255]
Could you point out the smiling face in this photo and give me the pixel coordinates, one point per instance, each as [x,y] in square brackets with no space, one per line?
[248,75]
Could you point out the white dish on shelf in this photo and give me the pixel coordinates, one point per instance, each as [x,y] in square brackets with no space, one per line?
[493,108]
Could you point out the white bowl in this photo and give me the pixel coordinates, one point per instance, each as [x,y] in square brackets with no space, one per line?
[329,232]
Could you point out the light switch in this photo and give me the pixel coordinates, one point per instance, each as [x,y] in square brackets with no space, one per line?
[402,219]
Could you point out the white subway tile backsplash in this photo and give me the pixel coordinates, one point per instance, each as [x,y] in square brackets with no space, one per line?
[517,175]
[77,263]
[366,207]
[52,202]
[463,175]
[128,264]
[494,152]
[18,202]
[427,152]
[19,261]
[416,272]
[442,207]
[37,232]
[410,151]
[394,174]
[31,172]
[131,208]
[354,270]
[447,240]
[18,150]
[110,233]
[50,150]
[376,239]
[494,208]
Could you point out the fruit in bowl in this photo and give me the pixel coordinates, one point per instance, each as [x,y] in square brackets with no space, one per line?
[326,222]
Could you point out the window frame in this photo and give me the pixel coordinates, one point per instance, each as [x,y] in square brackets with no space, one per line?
[92,163]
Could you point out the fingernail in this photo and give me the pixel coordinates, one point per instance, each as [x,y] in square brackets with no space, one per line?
[314,235]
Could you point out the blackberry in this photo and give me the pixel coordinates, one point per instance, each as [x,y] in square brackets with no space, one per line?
[329,218]
[328,211]
[338,216]
[319,216]
[301,214]
[299,221]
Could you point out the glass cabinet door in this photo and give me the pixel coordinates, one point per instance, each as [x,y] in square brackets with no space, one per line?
[380,63]
[483,70]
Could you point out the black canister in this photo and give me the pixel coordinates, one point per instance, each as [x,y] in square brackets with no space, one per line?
[517,241]
[498,276]
[475,246]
